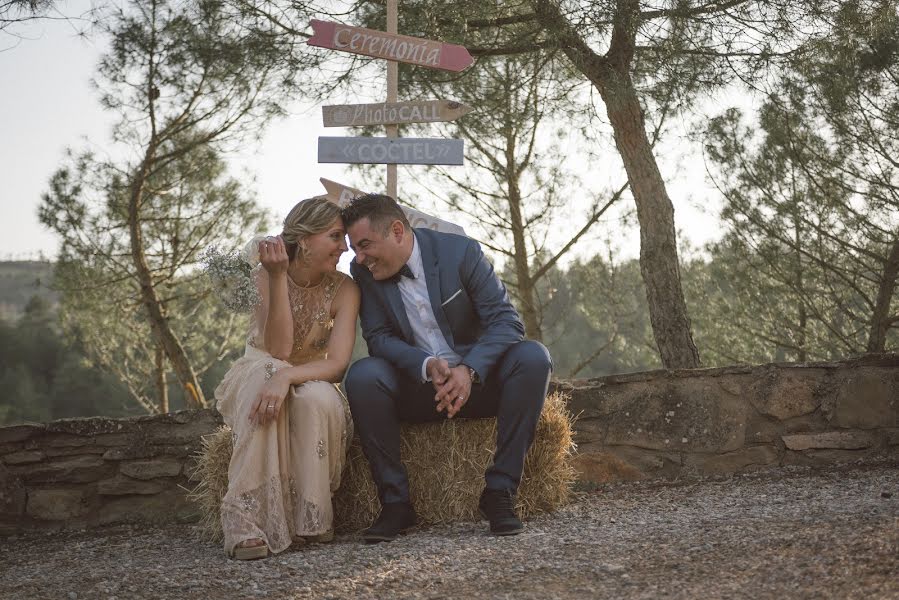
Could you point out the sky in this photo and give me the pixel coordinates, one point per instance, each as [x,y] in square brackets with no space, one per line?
[47,104]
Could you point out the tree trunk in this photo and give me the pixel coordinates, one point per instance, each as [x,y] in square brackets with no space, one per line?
[659,266]
[526,292]
[659,263]
[802,353]
[880,318]
[150,299]
[801,342]
[162,388]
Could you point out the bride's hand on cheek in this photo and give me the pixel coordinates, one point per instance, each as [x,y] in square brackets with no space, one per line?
[273,255]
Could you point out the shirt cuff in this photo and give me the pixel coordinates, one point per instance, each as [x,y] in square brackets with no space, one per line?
[424,369]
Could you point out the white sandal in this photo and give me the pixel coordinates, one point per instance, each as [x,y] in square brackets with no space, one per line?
[319,538]
[250,552]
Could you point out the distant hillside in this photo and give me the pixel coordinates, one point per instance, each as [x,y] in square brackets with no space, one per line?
[19,281]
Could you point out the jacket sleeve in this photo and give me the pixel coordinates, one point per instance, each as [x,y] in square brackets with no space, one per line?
[501,326]
[380,334]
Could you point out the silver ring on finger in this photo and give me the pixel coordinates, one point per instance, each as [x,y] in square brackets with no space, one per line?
[460,397]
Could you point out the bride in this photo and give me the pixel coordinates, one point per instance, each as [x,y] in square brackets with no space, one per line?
[290,423]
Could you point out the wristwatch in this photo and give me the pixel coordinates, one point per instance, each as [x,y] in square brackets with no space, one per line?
[473,375]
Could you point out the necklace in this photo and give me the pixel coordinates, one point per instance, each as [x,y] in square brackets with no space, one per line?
[305,286]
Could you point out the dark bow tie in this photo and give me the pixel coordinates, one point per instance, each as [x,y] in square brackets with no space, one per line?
[404,271]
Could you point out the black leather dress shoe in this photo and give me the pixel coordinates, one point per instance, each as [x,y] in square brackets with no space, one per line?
[498,507]
[395,518]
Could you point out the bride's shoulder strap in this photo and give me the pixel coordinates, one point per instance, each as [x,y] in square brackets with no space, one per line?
[337,280]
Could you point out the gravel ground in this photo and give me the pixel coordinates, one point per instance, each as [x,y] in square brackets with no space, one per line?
[791,533]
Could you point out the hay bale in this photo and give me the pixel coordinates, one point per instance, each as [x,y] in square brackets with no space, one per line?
[211,473]
[445,460]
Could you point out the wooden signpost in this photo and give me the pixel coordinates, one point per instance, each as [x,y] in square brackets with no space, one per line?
[395,151]
[390,46]
[342,194]
[393,113]
[392,150]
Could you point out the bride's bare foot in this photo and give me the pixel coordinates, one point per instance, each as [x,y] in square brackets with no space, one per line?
[250,549]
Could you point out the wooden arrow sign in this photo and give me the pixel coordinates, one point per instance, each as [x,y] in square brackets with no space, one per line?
[342,194]
[393,113]
[400,151]
[390,46]
[339,193]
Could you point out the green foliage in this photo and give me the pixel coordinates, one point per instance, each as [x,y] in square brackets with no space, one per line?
[117,336]
[188,82]
[599,319]
[14,12]
[811,255]
[22,280]
[46,376]
[515,188]
[192,74]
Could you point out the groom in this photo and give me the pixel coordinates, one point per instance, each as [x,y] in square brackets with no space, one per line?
[443,341]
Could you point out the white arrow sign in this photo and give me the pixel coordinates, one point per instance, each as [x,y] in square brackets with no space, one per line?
[390,113]
[342,194]
[402,151]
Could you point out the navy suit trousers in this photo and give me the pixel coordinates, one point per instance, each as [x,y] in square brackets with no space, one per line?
[381,397]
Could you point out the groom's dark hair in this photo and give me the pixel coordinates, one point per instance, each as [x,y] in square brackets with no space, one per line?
[380,210]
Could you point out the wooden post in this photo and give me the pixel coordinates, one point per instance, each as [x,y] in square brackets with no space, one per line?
[392,85]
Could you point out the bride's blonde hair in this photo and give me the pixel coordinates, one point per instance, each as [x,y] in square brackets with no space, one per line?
[308,217]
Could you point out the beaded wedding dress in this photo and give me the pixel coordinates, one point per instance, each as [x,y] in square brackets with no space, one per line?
[282,475]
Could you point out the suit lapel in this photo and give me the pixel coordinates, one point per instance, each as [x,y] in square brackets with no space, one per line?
[432,278]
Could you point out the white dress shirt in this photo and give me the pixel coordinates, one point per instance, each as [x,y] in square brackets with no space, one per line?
[425,330]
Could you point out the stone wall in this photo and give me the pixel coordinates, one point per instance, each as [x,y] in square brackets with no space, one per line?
[718,421]
[87,472]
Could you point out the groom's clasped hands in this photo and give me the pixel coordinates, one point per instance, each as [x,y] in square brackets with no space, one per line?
[452,384]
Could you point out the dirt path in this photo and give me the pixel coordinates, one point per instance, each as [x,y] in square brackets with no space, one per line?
[787,533]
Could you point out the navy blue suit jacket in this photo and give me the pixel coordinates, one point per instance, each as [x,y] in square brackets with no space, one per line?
[470,304]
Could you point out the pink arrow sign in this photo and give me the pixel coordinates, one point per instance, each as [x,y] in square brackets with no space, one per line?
[390,46]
